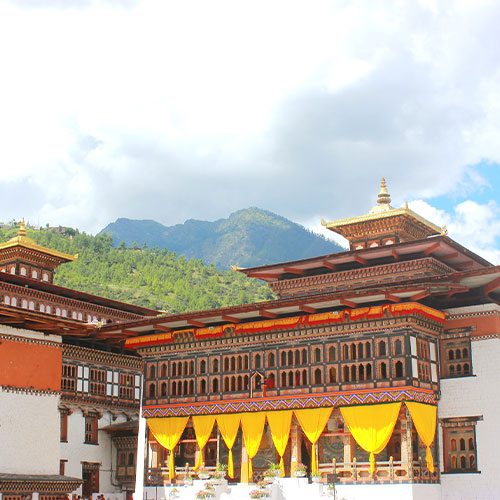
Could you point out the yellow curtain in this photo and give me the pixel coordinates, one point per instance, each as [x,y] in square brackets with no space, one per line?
[313,422]
[228,425]
[168,431]
[371,426]
[424,417]
[252,425]
[279,423]
[203,425]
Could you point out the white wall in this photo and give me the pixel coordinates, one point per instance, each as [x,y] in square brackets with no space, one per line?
[475,396]
[75,451]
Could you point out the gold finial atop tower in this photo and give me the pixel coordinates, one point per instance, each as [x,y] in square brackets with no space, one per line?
[22,229]
[383,195]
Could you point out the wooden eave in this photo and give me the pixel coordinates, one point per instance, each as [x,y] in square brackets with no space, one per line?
[441,248]
[29,320]
[59,291]
[447,285]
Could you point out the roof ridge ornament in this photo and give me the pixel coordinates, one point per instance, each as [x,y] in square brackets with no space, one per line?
[22,228]
[383,195]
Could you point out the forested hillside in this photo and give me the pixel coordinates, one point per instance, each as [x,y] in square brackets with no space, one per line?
[153,278]
[247,238]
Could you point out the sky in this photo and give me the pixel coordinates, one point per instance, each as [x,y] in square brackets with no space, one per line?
[170,110]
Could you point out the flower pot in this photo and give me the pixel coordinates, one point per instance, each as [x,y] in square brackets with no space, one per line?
[299,473]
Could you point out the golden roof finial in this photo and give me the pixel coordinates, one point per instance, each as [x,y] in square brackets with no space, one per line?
[22,229]
[383,196]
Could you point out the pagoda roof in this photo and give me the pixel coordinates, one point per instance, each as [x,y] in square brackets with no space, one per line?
[487,279]
[442,248]
[60,291]
[22,241]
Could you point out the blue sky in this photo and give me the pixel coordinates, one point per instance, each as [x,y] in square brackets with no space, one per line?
[195,109]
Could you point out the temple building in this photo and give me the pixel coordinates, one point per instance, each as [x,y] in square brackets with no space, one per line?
[375,367]
[69,395]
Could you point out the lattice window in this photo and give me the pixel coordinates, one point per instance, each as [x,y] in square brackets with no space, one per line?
[64,426]
[97,381]
[126,386]
[456,357]
[68,380]
[91,426]
[460,446]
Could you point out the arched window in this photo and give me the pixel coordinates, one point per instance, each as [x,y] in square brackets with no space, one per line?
[453,462]
[462,444]
[345,352]
[6,300]
[203,366]
[64,313]
[381,348]
[304,377]
[458,354]
[215,385]
[131,457]
[346,374]
[257,361]
[226,384]
[233,364]
[174,389]
[383,371]
[14,301]
[152,371]
[361,372]
[163,370]
[174,369]
[246,361]
[353,373]
[34,274]
[353,351]
[186,390]
[191,367]
[74,315]
[163,389]
[152,390]
[453,445]
[191,387]
[317,355]
[368,350]
[80,316]
[24,304]
[240,383]
[179,388]
[215,365]
[465,352]
[332,354]
[13,270]
[233,383]
[23,271]
[290,358]
[472,462]
[186,369]
[304,356]
[58,311]
[245,382]
[283,379]
[240,363]
[459,369]
[45,277]
[317,376]
[333,375]
[32,306]
[290,379]
[226,364]
[360,351]
[452,370]
[471,443]
[466,369]
[283,358]
[297,358]
[399,369]
[203,386]
[463,462]
[271,359]
[368,371]
[398,347]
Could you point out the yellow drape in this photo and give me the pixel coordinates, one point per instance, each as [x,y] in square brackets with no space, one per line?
[424,417]
[228,425]
[313,422]
[279,423]
[371,426]
[252,426]
[168,431]
[203,425]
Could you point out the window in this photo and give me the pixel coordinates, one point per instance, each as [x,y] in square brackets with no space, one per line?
[45,277]
[34,274]
[91,434]
[62,467]
[459,437]
[63,426]
[97,382]
[456,360]
[381,348]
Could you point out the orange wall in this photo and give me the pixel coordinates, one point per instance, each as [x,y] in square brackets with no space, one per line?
[482,325]
[26,364]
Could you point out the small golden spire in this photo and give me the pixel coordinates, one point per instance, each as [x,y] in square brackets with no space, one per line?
[22,229]
[383,196]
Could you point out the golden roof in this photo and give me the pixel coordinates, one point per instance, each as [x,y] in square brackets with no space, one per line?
[21,240]
[381,211]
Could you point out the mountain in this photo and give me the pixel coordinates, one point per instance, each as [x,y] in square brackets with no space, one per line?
[152,278]
[247,238]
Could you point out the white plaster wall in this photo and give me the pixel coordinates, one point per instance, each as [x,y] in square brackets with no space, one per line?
[474,396]
[29,433]
[75,451]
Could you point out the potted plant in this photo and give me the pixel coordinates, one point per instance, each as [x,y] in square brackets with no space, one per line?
[273,471]
[188,479]
[316,477]
[219,474]
[203,473]
[173,493]
[258,493]
[300,470]
[206,493]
